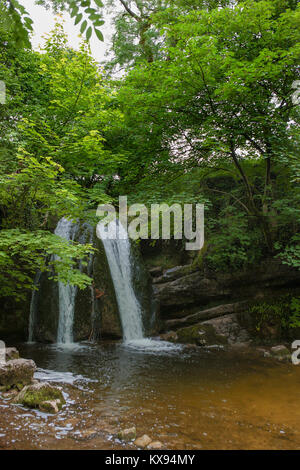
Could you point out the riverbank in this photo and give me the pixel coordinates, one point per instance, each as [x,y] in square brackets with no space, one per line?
[192,399]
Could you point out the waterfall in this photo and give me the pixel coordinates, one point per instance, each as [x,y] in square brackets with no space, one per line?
[118,253]
[67,293]
[33,307]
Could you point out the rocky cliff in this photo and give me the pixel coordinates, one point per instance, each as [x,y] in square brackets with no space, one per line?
[203,307]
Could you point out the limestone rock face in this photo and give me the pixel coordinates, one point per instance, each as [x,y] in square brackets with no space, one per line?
[187,290]
[16,373]
[217,331]
[35,395]
[202,307]
[185,287]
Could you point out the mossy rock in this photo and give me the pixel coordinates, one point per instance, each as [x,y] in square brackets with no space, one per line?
[202,335]
[16,373]
[50,406]
[34,395]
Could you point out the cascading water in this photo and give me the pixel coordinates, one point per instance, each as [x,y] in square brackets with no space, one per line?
[118,253]
[33,308]
[67,293]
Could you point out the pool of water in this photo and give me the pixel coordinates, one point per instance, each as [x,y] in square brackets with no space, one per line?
[187,399]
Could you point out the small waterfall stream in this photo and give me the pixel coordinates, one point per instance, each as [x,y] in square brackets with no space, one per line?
[118,252]
[78,314]
[67,293]
[33,307]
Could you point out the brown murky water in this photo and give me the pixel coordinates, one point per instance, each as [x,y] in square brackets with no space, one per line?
[185,399]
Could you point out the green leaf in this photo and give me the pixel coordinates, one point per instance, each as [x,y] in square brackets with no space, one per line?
[88,33]
[83,26]
[78,19]
[74,12]
[99,35]
[98,23]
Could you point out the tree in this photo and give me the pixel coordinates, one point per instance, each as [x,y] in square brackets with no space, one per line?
[221,97]
[53,160]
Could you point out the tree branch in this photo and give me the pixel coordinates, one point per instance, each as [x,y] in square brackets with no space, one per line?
[129,11]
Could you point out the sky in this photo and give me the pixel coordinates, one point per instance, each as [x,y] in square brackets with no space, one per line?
[43,23]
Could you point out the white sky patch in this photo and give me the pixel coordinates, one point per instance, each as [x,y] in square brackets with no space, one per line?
[44,21]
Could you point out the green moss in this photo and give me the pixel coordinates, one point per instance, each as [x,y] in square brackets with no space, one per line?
[33,398]
[199,258]
[201,335]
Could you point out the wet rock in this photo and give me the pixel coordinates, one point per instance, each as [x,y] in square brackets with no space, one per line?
[280,351]
[201,335]
[49,406]
[157,271]
[16,373]
[240,346]
[155,445]
[11,353]
[175,273]
[143,441]
[169,336]
[190,347]
[34,395]
[229,327]
[186,290]
[263,352]
[127,434]
[86,434]
[10,394]
[210,315]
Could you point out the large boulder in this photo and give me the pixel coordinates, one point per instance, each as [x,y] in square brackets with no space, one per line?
[228,326]
[201,335]
[11,353]
[188,290]
[16,373]
[38,394]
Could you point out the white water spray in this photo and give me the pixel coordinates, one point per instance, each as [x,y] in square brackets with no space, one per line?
[118,253]
[67,293]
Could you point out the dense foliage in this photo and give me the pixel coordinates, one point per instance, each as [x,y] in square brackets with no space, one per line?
[205,111]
